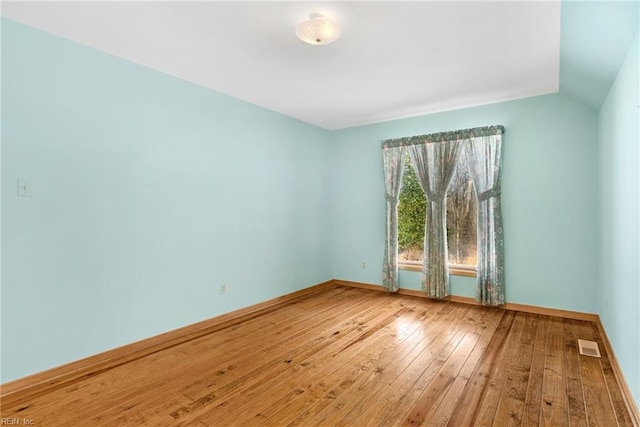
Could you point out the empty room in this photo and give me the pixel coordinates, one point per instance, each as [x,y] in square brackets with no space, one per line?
[307,213]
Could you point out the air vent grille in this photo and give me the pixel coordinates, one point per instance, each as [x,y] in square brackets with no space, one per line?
[588,348]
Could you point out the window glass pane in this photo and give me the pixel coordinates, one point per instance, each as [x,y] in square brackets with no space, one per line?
[412,210]
[462,208]
[461,217]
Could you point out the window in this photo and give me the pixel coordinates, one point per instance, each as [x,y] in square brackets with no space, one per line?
[462,208]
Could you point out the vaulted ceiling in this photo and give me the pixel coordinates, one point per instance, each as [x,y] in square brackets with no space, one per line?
[394,59]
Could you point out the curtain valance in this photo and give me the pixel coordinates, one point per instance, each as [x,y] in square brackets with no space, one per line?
[444,136]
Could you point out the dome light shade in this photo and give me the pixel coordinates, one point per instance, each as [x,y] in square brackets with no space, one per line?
[317,30]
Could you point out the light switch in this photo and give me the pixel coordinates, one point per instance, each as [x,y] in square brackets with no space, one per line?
[24,188]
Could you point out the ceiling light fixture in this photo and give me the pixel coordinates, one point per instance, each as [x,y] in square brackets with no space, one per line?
[317,30]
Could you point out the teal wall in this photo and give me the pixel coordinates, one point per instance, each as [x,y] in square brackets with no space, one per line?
[619,154]
[549,198]
[148,192]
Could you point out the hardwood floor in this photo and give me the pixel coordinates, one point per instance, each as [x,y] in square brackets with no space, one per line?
[354,357]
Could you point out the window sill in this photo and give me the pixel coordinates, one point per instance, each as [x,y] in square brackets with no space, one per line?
[454,270]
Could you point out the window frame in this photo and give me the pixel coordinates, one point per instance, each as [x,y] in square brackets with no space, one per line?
[454,269]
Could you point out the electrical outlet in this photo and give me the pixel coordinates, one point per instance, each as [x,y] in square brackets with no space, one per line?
[223,288]
[364,265]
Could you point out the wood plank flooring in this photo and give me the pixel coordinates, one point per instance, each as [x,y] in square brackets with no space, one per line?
[354,357]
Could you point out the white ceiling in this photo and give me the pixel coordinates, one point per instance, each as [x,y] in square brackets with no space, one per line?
[394,59]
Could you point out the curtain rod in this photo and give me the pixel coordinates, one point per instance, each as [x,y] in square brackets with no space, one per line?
[444,136]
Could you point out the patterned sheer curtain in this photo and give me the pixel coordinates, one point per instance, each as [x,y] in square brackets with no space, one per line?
[392,158]
[434,163]
[485,158]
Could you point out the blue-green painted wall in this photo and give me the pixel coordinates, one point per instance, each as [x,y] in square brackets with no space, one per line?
[549,199]
[619,154]
[148,192]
